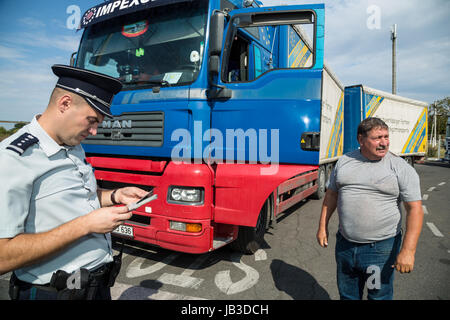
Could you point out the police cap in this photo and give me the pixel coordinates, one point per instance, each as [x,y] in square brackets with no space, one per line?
[96,88]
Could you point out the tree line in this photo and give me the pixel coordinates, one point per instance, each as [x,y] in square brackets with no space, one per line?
[442,110]
[4,133]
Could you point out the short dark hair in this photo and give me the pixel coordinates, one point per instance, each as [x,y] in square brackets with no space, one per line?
[370,123]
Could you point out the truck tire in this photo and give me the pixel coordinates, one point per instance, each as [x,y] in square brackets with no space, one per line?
[321,181]
[410,161]
[249,239]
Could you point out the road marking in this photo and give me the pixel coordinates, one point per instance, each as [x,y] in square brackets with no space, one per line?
[135,269]
[180,280]
[425,210]
[425,197]
[260,255]
[226,285]
[5,276]
[131,251]
[441,184]
[185,279]
[122,291]
[431,189]
[434,229]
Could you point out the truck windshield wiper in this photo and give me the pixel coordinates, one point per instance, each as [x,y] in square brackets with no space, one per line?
[145,82]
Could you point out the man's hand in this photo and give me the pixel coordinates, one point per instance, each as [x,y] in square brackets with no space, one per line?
[121,196]
[404,262]
[129,195]
[322,237]
[107,219]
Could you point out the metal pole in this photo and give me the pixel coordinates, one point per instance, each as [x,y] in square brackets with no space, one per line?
[435,126]
[394,58]
[432,133]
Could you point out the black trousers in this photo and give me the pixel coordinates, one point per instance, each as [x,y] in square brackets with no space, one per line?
[43,293]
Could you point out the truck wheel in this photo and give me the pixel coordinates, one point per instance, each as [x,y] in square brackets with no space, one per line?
[410,161]
[249,239]
[321,181]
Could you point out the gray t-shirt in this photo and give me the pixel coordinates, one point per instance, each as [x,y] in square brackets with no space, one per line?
[370,193]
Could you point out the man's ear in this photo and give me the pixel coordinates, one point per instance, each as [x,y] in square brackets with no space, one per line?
[359,138]
[64,103]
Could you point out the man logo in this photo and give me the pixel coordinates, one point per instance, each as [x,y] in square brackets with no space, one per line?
[116,124]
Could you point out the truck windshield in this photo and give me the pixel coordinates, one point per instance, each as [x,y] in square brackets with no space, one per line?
[160,46]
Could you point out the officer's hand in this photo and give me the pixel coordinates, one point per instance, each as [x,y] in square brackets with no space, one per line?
[129,195]
[107,219]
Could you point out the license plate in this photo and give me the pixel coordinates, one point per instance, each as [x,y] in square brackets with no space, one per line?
[124,230]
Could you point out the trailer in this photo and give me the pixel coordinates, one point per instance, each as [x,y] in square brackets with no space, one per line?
[407,120]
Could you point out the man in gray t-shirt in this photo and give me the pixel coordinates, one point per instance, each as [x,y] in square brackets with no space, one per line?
[367,187]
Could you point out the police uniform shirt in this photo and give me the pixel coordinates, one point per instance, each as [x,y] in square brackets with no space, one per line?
[42,188]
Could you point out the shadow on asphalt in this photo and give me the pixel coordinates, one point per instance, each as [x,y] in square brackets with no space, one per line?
[297,283]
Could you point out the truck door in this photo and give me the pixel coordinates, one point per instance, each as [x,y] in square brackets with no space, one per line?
[272,73]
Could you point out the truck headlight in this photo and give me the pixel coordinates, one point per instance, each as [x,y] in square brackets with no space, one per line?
[185,195]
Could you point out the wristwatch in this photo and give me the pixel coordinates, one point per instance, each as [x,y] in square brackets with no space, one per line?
[113,198]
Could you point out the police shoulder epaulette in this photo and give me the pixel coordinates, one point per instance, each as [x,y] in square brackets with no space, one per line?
[22,143]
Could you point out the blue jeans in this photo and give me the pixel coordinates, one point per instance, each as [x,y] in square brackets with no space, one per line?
[360,264]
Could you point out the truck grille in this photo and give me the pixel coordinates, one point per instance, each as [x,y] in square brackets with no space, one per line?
[145,129]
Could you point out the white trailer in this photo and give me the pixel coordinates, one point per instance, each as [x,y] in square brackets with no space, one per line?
[406,118]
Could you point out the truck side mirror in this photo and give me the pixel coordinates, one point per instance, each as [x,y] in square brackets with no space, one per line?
[216,30]
[72,59]
[215,42]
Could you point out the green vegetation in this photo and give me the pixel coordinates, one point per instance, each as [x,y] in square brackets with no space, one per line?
[442,110]
[6,133]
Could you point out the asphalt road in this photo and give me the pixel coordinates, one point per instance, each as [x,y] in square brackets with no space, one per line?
[290,265]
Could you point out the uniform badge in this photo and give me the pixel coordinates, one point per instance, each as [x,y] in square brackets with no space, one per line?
[22,143]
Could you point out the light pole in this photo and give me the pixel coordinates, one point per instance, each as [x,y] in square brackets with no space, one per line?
[394,58]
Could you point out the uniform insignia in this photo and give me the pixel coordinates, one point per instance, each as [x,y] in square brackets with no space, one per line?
[22,143]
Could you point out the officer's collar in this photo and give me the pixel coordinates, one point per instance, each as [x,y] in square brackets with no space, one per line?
[47,144]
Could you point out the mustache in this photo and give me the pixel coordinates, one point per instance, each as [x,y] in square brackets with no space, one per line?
[381,148]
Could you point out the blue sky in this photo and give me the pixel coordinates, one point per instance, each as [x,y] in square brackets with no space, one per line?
[34,35]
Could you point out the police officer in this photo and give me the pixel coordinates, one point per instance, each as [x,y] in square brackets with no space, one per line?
[55,223]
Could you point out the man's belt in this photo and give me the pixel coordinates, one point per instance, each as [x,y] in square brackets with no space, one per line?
[79,285]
